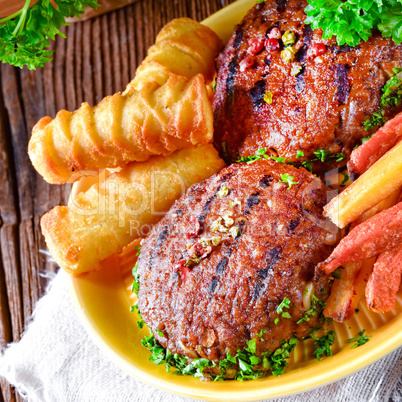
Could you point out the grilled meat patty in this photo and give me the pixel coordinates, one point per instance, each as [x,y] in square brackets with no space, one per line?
[322,107]
[215,269]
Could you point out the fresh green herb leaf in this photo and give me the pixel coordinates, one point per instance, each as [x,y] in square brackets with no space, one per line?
[360,340]
[214,85]
[391,96]
[25,35]
[135,287]
[336,274]
[261,334]
[288,179]
[252,346]
[353,20]
[316,306]
[276,321]
[345,178]
[285,303]
[324,345]
[299,154]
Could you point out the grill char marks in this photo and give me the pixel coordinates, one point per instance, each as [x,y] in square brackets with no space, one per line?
[273,256]
[301,55]
[300,82]
[257,94]
[281,5]
[294,223]
[254,199]
[211,199]
[341,82]
[159,241]
[266,181]
[212,285]
[220,268]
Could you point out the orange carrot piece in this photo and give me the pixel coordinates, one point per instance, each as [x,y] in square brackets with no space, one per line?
[372,150]
[384,281]
[380,233]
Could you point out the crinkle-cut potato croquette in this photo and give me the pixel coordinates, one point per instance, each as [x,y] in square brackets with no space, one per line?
[163,109]
[183,47]
[157,120]
[99,222]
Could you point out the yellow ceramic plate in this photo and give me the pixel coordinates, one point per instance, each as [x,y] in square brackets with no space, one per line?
[103,298]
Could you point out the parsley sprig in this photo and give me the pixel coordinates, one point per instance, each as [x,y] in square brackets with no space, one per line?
[24,35]
[360,340]
[285,303]
[391,96]
[353,20]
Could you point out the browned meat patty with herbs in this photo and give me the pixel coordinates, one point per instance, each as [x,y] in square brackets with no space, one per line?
[215,269]
[318,101]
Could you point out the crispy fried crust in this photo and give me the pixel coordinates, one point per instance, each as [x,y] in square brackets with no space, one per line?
[123,128]
[102,220]
[165,108]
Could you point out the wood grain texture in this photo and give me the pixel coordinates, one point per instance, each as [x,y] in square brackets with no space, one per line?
[99,57]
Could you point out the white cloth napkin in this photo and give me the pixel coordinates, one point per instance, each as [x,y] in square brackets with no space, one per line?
[56,360]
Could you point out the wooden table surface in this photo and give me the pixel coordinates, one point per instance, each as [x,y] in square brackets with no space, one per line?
[98,58]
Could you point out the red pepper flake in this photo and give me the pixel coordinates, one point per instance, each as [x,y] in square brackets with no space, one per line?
[275,34]
[255,46]
[195,227]
[272,45]
[178,266]
[184,271]
[245,64]
[317,49]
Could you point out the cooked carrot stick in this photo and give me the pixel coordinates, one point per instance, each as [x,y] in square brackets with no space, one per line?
[347,291]
[372,150]
[385,280]
[380,233]
[377,183]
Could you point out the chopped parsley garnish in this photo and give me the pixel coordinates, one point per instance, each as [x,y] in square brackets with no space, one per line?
[391,96]
[214,85]
[360,340]
[345,179]
[249,365]
[25,35]
[320,155]
[353,20]
[288,179]
[285,303]
[324,345]
[261,334]
[316,306]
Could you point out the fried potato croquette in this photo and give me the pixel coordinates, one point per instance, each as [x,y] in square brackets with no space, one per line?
[123,128]
[99,222]
[163,109]
[183,47]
